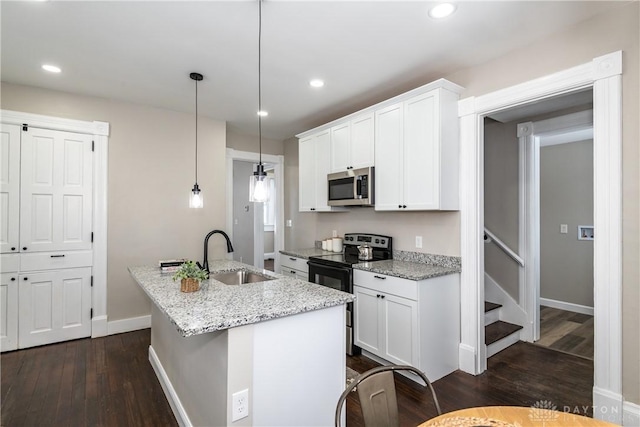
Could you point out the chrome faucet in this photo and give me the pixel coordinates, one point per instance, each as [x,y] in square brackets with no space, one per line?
[205,264]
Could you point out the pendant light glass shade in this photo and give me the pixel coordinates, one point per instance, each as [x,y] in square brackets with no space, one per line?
[258,184]
[195,199]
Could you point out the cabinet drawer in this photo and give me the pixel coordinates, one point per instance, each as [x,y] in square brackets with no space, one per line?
[386,284]
[55,260]
[290,262]
[9,263]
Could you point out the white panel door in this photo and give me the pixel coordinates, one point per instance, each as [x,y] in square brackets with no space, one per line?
[306,175]
[388,156]
[54,306]
[421,152]
[9,188]
[8,311]
[362,145]
[400,317]
[340,142]
[56,191]
[367,320]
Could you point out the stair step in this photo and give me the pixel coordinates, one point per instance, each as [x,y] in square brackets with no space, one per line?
[489,306]
[498,330]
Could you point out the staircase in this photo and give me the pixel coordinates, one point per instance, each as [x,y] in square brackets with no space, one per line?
[498,335]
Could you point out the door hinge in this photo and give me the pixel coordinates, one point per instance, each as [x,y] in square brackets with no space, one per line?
[92,281]
[93,146]
[25,127]
[91,313]
[92,237]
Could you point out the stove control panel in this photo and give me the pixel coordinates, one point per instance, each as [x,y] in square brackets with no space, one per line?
[373,240]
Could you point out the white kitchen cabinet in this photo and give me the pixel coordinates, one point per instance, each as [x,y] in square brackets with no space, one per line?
[352,144]
[8,311]
[416,153]
[294,267]
[56,189]
[9,188]
[54,306]
[409,322]
[314,152]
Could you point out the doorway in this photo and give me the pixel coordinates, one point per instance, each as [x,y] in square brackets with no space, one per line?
[603,74]
[256,229]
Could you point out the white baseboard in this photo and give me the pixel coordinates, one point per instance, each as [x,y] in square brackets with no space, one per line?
[607,406]
[467,359]
[128,325]
[174,401]
[630,414]
[99,327]
[567,306]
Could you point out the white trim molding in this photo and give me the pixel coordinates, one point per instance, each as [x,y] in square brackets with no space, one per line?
[100,133]
[603,74]
[567,306]
[172,397]
[128,325]
[630,414]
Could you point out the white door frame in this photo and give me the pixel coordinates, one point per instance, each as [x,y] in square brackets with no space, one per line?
[100,132]
[278,170]
[604,75]
[533,135]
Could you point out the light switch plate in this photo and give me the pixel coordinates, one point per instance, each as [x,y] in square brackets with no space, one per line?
[418,241]
[564,229]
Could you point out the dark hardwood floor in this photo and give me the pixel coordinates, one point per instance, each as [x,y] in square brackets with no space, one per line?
[109,382]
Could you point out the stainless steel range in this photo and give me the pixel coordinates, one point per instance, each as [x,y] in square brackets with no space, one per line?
[335,270]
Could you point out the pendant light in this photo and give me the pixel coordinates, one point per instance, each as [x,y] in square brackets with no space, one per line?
[196,201]
[259,188]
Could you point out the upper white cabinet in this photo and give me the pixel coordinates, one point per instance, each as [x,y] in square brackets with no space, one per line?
[9,188]
[56,191]
[314,152]
[416,153]
[352,144]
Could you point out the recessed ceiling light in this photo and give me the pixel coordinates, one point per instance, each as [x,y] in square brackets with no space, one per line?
[442,10]
[316,83]
[51,68]
[263,113]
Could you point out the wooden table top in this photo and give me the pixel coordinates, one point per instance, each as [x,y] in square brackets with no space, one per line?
[511,416]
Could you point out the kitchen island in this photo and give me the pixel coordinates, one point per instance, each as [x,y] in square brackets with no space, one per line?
[281,340]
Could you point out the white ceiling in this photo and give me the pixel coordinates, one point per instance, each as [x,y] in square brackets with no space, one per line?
[143,51]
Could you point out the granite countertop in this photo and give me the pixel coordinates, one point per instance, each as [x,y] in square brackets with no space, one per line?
[307,252]
[407,269]
[217,306]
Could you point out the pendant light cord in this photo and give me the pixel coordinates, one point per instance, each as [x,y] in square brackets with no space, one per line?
[260,77]
[196,132]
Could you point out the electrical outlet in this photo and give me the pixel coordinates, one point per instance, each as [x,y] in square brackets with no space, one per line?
[334,233]
[289,223]
[418,241]
[240,405]
[564,229]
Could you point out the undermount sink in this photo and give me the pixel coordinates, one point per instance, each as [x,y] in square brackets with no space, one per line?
[239,277]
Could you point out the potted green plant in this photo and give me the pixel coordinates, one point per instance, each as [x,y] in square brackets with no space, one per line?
[190,276]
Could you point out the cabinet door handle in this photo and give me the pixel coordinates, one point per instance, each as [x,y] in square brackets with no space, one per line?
[377,295]
[13,279]
[24,248]
[292,259]
[26,278]
[404,206]
[57,256]
[13,248]
[380,277]
[382,296]
[293,272]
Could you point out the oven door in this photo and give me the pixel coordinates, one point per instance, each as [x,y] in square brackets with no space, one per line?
[340,278]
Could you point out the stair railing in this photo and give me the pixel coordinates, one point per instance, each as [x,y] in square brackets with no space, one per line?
[503,246]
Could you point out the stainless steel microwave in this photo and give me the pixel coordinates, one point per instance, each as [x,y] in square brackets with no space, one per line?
[353,187]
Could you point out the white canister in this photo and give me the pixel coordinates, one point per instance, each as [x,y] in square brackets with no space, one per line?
[337,244]
[329,244]
[324,245]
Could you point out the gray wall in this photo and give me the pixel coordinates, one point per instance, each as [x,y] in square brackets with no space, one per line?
[243,212]
[566,197]
[501,194]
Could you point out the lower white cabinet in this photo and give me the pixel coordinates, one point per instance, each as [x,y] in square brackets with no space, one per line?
[409,322]
[294,267]
[54,306]
[8,311]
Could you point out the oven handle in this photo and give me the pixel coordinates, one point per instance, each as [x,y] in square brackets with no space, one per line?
[313,265]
